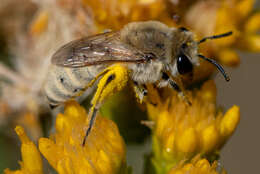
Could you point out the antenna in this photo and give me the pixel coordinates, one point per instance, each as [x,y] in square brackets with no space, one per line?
[220,68]
[215,37]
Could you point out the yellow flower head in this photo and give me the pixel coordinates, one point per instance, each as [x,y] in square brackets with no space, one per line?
[197,166]
[182,131]
[104,151]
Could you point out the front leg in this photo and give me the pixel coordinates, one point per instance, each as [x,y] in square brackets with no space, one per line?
[167,81]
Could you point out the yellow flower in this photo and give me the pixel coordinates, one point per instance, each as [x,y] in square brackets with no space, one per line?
[197,166]
[104,151]
[182,131]
[31,158]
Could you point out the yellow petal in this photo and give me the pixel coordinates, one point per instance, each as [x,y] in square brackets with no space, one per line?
[251,43]
[186,142]
[253,23]
[31,157]
[187,167]
[169,144]
[49,150]
[22,136]
[61,123]
[146,2]
[87,168]
[209,91]
[244,7]
[162,123]
[104,159]
[203,165]
[230,121]
[73,110]
[209,138]
[64,166]
[8,171]
[228,57]
[224,24]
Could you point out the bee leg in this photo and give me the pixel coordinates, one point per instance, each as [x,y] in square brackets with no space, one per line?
[96,104]
[176,87]
[91,123]
[114,80]
[91,83]
[140,91]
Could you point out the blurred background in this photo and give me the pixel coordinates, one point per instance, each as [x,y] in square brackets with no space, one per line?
[240,155]
[30,31]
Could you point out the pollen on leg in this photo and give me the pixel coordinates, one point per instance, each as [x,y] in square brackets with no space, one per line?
[114,80]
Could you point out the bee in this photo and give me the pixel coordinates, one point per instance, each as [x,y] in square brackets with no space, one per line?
[142,52]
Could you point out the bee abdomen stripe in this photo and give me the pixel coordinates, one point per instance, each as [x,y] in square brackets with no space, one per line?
[82,75]
[73,79]
[52,101]
[52,95]
[63,88]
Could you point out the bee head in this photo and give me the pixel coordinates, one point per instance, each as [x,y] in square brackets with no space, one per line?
[186,53]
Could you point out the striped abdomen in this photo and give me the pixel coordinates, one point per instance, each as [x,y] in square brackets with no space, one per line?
[64,83]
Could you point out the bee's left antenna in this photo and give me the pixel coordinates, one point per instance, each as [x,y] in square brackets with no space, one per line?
[220,68]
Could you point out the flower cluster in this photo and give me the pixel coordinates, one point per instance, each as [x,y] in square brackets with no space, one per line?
[181,131]
[104,151]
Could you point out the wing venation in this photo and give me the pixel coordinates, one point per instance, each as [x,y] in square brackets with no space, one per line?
[97,49]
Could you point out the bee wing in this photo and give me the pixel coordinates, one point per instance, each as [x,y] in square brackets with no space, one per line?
[97,49]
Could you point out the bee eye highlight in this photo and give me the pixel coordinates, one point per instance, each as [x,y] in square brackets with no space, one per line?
[183,64]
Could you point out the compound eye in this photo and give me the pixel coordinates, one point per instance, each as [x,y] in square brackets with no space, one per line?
[183,64]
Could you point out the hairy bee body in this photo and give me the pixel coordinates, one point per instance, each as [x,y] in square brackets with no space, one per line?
[151,38]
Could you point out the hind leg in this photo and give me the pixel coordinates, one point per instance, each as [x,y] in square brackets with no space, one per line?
[114,79]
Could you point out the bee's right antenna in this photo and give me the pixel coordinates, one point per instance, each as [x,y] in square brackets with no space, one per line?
[220,68]
[215,37]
